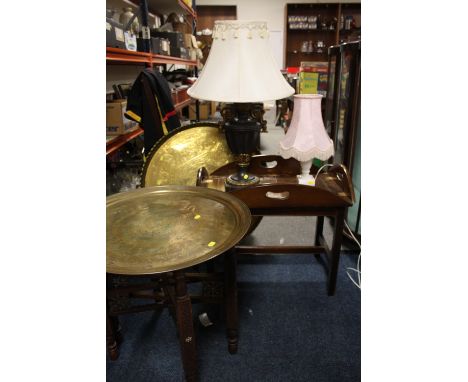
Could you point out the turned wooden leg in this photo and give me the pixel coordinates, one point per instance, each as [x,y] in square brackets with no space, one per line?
[230,300]
[113,335]
[335,252]
[111,338]
[318,233]
[117,329]
[169,293]
[319,229]
[185,327]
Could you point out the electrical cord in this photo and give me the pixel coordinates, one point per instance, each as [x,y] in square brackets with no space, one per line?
[321,168]
[358,266]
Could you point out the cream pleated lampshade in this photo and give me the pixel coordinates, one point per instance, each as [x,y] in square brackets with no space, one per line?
[240,66]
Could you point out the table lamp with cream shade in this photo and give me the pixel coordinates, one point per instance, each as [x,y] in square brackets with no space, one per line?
[306,138]
[240,72]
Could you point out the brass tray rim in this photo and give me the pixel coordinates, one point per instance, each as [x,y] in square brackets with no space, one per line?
[237,206]
[166,137]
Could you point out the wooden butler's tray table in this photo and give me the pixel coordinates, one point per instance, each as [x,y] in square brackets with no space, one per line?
[158,232]
[279,194]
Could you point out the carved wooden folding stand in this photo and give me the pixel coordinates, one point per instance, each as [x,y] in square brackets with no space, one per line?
[279,194]
[154,235]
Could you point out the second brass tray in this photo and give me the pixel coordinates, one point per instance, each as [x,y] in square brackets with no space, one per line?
[176,157]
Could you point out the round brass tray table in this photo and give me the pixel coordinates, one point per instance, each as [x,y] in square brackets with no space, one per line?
[166,229]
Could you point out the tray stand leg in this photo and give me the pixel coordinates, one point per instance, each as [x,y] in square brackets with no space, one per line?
[230,300]
[111,337]
[318,234]
[335,252]
[185,328]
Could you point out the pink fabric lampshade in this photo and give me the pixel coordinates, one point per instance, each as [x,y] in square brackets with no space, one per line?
[306,137]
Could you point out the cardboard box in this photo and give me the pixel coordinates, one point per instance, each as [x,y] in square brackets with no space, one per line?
[312,83]
[207,109]
[116,123]
[193,54]
[188,41]
[313,78]
[308,83]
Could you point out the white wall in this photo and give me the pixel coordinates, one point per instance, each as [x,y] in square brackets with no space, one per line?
[271,11]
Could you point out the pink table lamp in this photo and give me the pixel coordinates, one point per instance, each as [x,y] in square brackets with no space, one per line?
[306,138]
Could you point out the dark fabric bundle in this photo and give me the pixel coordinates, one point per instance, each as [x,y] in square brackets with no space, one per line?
[150,104]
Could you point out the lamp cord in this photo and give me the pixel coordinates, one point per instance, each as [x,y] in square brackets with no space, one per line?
[358,266]
[321,168]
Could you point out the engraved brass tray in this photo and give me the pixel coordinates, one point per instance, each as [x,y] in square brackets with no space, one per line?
[166,228]
[177,156]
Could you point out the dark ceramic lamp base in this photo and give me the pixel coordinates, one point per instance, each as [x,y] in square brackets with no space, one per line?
[242,125]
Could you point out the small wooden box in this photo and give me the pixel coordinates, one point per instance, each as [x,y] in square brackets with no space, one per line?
[207,109]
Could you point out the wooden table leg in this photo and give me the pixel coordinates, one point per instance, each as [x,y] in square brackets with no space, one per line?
[318,233]
[319,229]
[111,338]
[185,327]
[230,300]
[335,252]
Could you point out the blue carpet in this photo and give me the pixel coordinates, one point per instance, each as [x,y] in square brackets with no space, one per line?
[290,330]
